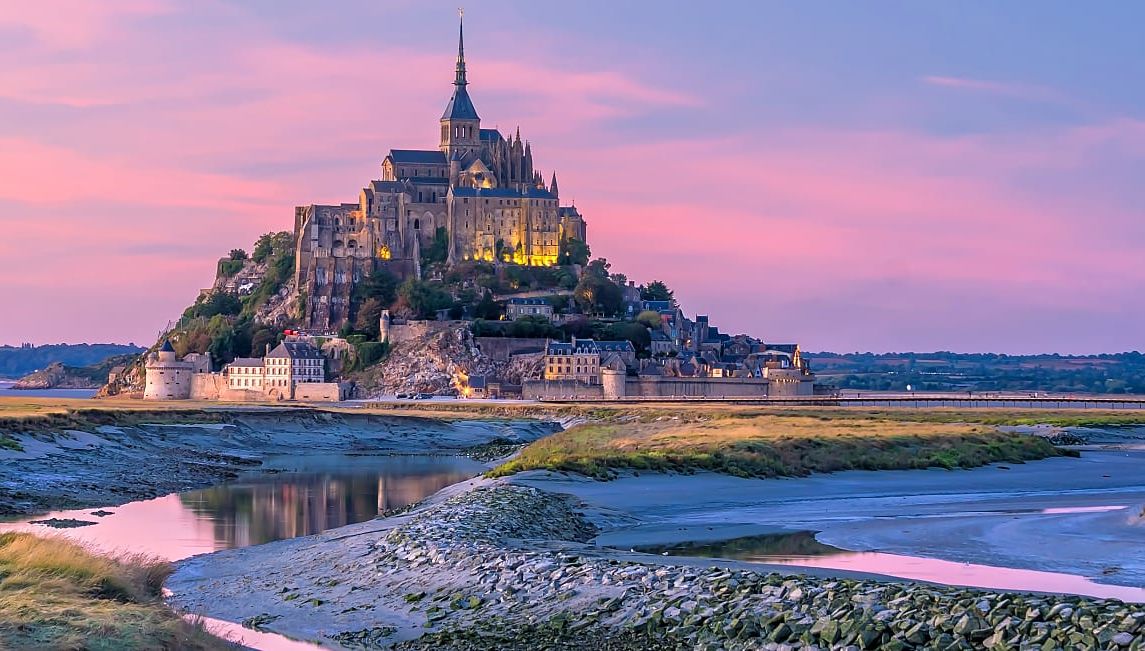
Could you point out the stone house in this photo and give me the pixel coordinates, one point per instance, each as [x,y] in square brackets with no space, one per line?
[516,308]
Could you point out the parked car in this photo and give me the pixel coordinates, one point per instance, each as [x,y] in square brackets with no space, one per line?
[423,396]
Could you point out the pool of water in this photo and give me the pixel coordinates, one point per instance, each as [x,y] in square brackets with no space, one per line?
[288,497]
[801,549]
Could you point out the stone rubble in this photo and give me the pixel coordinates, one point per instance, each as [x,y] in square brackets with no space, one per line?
[505,567]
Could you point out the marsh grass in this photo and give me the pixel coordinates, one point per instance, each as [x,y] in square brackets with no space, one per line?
[56,595]
[788,445]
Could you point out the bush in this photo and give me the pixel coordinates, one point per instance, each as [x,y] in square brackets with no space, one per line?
[370,353]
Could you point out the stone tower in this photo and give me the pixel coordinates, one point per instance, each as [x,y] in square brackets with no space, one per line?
[460,124]
[167,378]
[384,324]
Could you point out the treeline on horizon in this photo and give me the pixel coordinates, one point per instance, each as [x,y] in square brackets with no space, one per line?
[17,361]
[1112,373]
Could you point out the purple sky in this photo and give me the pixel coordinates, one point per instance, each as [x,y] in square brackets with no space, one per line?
[878,176]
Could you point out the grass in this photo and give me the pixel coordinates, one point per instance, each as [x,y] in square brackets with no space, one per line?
[774,445]
[56,595]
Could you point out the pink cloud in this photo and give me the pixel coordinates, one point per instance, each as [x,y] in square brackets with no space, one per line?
[76,23]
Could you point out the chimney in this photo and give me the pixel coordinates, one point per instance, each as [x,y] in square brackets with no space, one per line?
[574,343]
[267,349]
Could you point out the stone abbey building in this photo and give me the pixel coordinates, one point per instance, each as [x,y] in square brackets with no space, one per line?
[478,189]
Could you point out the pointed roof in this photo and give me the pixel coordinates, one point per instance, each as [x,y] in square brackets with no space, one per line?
[553,185]
[460,107]
[167,347]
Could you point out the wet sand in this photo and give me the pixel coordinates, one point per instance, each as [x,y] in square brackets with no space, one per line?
[1076,516]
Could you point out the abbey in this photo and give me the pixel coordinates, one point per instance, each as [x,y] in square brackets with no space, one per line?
[478,191]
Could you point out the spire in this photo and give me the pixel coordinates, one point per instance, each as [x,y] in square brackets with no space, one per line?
[459,80]
[460,107]
[553,186]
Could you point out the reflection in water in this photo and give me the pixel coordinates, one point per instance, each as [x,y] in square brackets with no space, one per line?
[780,545]
[802,550]
[301,503]
[298,497]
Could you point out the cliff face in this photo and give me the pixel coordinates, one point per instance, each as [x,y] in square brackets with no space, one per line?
[437,361]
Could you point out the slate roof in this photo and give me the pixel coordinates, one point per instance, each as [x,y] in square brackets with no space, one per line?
[460,107]
[295,350]
[167,347]
[491,134]
[568,211]
[418,156]
[622,346]
[386,186]
[503,193]
[246,361]
[428,180]
[476,381]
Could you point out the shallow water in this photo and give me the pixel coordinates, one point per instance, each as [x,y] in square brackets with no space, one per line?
[800,549]
[6,391]
[291,497]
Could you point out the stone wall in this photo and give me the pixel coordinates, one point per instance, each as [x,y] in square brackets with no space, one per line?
[696,387]
[558,389]
[667,387]
[500,349]
[320,391]
[399,332]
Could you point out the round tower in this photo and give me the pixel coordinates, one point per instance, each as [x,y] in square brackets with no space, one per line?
[384,326]
[612,382]
[167,378]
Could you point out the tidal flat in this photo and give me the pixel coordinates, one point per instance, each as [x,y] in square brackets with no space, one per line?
[544,558]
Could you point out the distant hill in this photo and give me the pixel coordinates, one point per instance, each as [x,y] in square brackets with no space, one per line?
[16,361]
[1116,373]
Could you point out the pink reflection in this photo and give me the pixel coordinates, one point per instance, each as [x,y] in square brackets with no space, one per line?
[252,639]
[162,527]
[960,574]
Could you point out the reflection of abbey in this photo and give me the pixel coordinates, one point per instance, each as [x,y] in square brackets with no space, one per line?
[478,190]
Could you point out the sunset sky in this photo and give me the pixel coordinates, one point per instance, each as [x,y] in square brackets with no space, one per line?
[880,176]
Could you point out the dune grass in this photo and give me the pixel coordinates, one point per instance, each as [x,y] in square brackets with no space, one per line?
[788,445]
[56,595]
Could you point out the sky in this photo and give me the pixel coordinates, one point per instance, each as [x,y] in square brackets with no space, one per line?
[877,176]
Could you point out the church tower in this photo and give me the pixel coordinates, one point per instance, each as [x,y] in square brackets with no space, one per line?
[460,124]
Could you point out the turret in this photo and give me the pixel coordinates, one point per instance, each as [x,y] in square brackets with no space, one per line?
[553,186]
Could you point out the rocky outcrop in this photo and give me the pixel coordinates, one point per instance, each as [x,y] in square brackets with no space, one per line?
[437,361]
[58,376]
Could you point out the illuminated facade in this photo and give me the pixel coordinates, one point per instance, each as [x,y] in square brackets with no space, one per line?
[478,190]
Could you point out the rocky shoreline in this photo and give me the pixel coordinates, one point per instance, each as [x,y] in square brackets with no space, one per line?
[108,465]
[497,565]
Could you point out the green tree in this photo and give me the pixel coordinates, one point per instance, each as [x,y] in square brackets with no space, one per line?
[263,248]
[425,298]
[381,286]
[217,303]
[487,308]
[261,338]
[573,251]
[649,319]
[636,333]
[369,316]
[657,290]
[596,293]
[438,251]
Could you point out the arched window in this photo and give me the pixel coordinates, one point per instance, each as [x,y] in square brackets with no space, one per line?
[417,224]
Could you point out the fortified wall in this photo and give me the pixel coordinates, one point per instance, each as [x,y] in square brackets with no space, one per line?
[502,349]
[614,386]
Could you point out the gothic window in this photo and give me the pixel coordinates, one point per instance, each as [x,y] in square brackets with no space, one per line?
[417,224]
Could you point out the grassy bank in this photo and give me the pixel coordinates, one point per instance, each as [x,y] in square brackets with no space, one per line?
[788,445]
[55,595]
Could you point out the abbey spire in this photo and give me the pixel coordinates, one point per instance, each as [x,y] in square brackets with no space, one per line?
[460,124]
